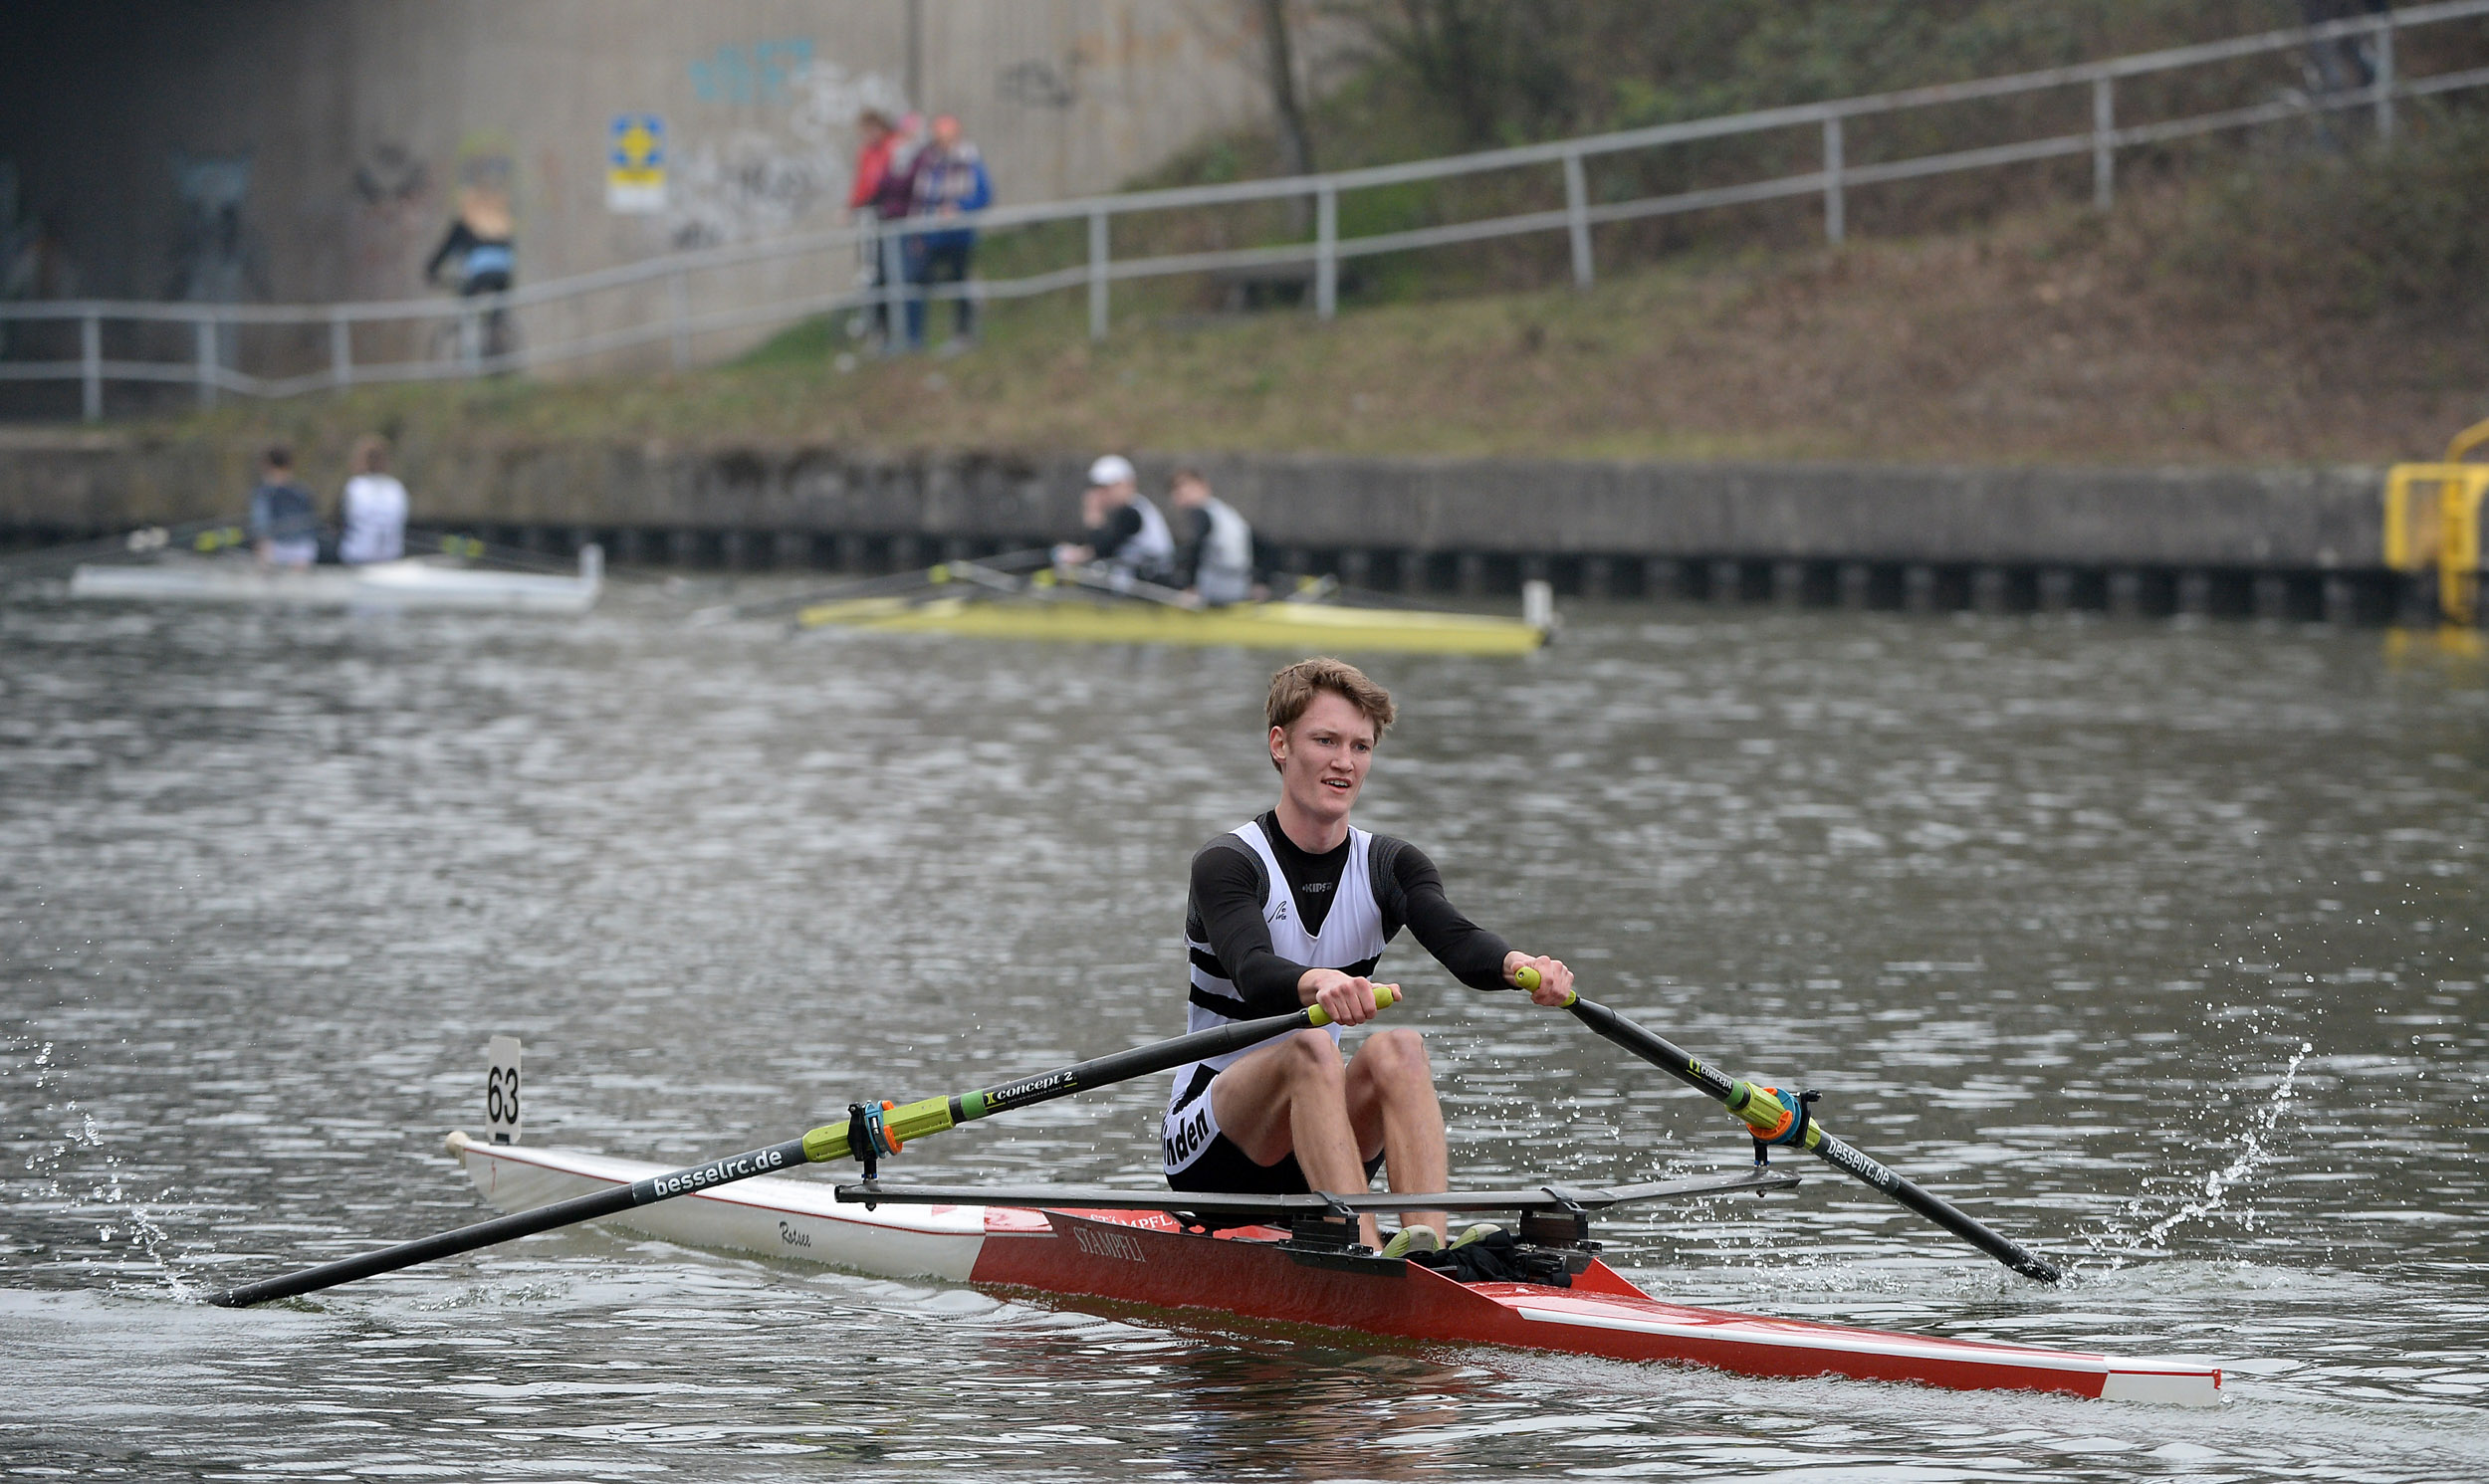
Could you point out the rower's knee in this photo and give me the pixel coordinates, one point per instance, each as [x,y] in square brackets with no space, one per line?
[1397,1058]
[1311,1056]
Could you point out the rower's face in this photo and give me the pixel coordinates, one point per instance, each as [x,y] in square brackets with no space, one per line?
[1323,756]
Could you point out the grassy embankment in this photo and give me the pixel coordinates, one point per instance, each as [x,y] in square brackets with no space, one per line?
[2314,305]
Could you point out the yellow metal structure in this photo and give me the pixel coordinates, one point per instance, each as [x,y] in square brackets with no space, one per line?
[1275,625]
[2432,520]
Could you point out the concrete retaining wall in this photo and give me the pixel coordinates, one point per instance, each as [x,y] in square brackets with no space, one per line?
[2278,520]
[1898,536]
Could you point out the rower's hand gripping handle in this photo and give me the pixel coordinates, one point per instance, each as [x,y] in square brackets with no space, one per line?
[1525,979]
[1385,996]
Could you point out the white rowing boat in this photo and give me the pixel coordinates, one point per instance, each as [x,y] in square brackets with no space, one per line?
[425,582]
[1150,1254]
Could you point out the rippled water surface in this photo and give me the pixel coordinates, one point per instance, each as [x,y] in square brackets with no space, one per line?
[2161,945]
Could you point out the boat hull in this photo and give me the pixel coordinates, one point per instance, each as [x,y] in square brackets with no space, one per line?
[416,582]
[1147,1258]
[1280,625]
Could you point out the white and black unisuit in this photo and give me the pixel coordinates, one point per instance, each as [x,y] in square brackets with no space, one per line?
[1263,910]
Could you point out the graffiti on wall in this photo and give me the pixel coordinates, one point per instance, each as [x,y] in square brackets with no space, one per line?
[487,161]
[32,265]
[1040,84]
[217,257]
[393,206]
[32,261]
[794,165]
[390,178]
[762,72]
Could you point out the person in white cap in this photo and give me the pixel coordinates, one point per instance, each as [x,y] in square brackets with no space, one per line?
[1120,526]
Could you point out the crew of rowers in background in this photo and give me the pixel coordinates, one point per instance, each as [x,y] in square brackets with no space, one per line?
[284,527]
[1206,552]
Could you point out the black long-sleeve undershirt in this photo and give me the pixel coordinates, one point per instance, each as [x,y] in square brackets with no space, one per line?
[1229,888]
[1121,525]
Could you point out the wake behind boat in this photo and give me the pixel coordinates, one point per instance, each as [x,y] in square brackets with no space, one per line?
[1178,1252]
[416,582]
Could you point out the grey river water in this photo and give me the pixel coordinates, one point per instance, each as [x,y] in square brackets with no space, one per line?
[2158,945]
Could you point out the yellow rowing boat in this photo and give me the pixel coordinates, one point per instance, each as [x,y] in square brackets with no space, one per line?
[1302,626]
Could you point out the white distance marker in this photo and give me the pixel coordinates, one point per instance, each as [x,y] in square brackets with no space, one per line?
[500,1090]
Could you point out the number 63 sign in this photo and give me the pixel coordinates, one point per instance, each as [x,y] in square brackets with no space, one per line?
[500,1090]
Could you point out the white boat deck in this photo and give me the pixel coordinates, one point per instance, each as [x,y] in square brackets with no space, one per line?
[428,582]
[767,1214]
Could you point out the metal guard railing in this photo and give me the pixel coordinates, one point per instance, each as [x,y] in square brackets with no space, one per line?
[1326,251]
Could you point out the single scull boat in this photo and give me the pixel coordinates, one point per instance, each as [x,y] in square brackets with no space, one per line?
[431,582]
[1135,1248]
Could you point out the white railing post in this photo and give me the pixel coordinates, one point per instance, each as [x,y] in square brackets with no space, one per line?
[1834,227]
[2385,77]
[340,350]
[1577,217]
[1098,306]
[91,366]
[891,250]
[205,365]
[678,298]
[1326,252]
[2104,142]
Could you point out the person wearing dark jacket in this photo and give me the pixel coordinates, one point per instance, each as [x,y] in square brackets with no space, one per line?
[284,527]
[948,181]
[484,240]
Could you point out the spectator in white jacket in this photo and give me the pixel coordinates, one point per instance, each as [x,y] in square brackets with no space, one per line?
[374,510]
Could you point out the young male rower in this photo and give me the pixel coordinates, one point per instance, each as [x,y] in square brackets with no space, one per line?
[1119,525]
[1293,909]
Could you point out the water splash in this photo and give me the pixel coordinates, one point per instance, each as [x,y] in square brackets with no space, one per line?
[133,1220]
[2254,1150]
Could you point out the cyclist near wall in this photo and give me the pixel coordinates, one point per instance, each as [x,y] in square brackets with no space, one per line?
[484,242]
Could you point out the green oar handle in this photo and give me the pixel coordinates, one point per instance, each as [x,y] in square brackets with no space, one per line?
[1763,1111]
[934,1114]
[829,1142]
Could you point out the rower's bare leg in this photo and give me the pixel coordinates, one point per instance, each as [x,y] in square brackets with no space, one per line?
[1393,1110]
[1291,1097]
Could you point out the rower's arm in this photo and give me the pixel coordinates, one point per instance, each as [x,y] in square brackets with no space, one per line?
[1227,896]
[1413,893]
[1191,533]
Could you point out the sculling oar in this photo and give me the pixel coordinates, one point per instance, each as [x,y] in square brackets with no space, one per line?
[868,1134]
[1784,1119]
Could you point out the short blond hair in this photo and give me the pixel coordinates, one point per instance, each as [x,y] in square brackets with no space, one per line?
[1295,686]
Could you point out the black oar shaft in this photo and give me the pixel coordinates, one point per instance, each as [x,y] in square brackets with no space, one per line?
[829,1142]
[1673,1059]
[518,1224]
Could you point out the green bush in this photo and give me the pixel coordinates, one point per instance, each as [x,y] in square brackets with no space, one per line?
[2398,232]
